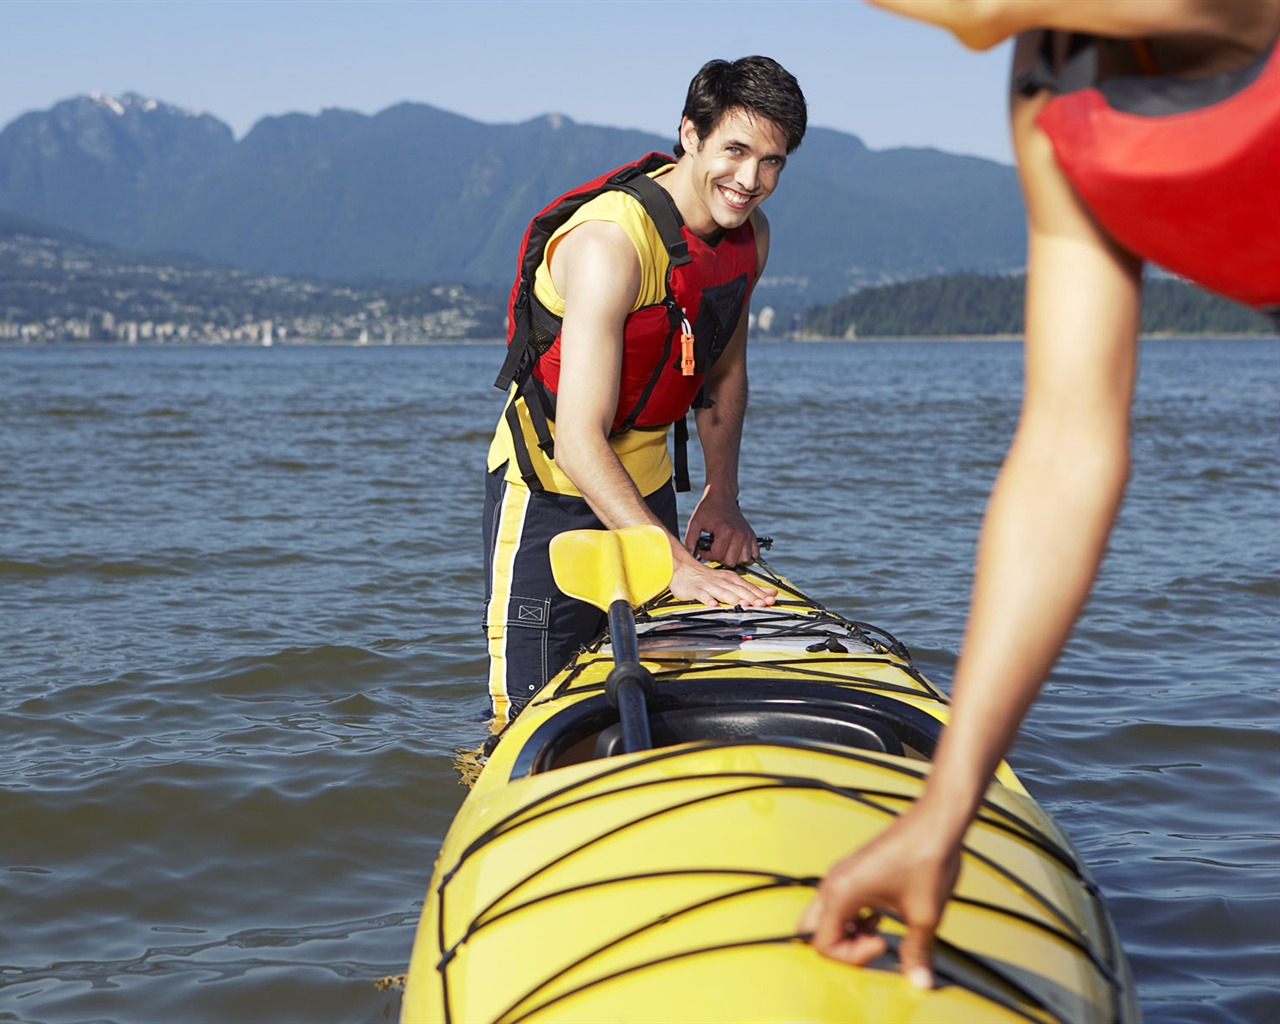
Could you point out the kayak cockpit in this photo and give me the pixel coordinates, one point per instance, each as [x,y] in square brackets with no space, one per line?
[733,711]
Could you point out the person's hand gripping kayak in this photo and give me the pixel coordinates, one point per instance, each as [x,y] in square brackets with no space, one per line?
[909,871]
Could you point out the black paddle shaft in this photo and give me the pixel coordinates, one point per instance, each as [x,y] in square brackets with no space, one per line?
[622,631]
[629,684]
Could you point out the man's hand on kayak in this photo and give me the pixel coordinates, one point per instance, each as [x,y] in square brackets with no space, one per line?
[692,580]
[733,542]
[907,870]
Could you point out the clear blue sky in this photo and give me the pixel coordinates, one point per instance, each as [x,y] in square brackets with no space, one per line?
[888,80]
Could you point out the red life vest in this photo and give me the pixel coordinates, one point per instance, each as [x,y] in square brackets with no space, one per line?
[1182,172]
[707,287]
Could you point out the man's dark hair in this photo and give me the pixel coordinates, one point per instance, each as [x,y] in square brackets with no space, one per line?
[758,85]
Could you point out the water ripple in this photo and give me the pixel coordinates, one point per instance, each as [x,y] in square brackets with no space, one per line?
[241,594]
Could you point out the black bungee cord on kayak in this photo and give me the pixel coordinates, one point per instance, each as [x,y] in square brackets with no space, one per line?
[992,815]
[993,972]
[676,667]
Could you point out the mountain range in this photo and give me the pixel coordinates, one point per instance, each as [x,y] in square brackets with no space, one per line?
[415,193]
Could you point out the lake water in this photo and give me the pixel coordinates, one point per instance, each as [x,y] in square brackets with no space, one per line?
[240,602]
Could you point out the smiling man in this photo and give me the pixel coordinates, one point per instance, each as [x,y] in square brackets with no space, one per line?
[631,309]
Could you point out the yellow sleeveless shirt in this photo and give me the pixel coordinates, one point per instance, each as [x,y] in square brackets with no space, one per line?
[643,453]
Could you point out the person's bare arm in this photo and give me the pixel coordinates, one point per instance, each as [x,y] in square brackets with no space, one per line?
[1042,540]
[981,24]
[597,272]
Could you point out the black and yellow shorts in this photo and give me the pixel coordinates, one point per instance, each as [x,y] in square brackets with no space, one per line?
[533,628]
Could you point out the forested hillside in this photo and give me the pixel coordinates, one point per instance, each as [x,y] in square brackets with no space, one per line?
[978,304]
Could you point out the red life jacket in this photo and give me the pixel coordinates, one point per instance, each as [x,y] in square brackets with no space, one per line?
[707,287]
[1182,172]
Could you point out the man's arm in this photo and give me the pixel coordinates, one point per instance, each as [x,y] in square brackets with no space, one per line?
[596,270]
[720,434]
[1042,540]
[982,24]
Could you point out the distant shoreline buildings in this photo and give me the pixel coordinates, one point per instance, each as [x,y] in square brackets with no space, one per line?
[55,290]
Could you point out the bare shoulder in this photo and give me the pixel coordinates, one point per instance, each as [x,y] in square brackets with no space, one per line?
[596,239]
[1057,218]
[596,255]
[1053,208]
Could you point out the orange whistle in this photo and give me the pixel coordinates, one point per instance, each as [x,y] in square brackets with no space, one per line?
[686,350]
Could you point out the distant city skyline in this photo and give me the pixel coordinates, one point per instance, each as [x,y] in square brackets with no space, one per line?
[622,63]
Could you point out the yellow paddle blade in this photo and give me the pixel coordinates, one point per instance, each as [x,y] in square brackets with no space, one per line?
[603,566]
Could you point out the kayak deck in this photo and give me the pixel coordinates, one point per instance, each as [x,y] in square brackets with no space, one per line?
[580,883]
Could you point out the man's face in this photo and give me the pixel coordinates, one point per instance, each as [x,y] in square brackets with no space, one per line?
[734,169]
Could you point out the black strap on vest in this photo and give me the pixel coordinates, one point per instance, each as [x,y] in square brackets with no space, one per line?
[682,454]
[661,209]
[522,353]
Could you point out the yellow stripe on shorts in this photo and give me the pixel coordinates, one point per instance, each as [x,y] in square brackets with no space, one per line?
[511,516]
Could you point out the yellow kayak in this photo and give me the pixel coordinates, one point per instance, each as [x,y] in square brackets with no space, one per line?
[580,882]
